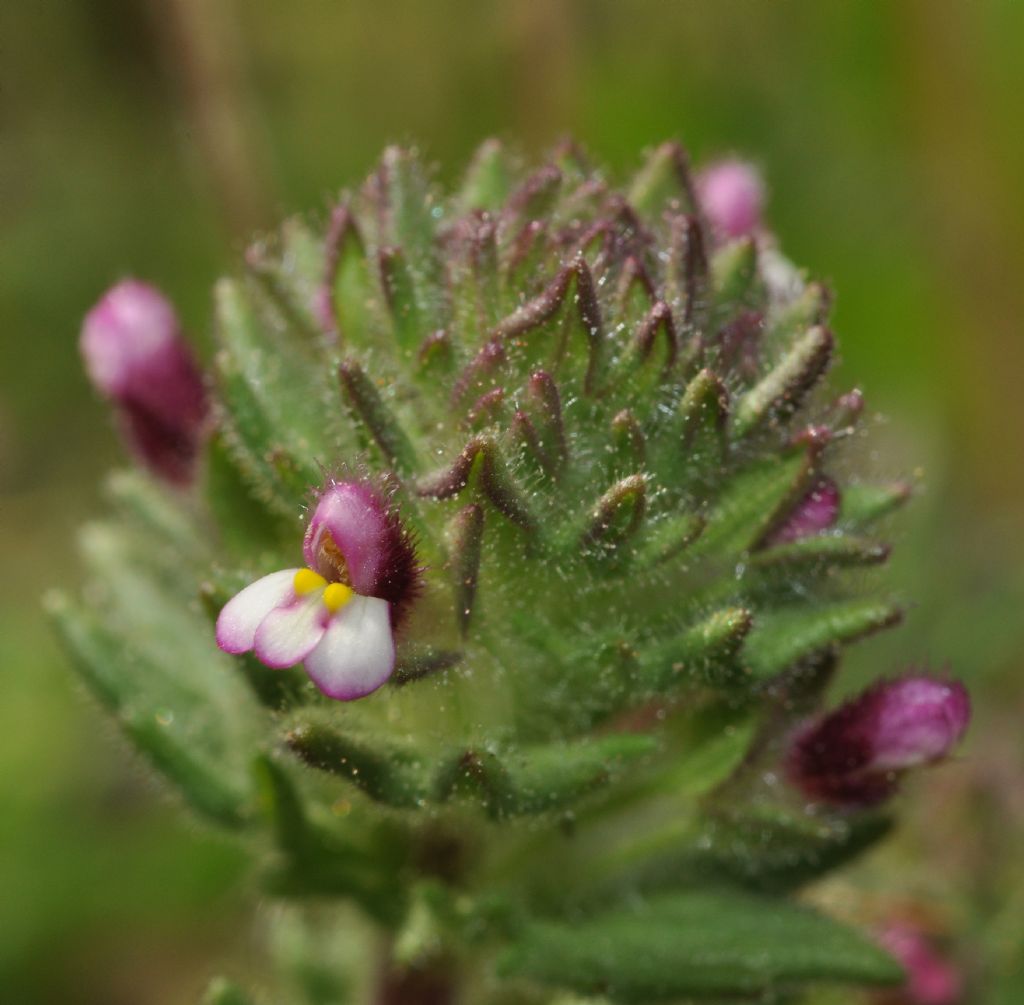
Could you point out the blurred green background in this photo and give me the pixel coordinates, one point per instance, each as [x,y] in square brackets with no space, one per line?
[153,137]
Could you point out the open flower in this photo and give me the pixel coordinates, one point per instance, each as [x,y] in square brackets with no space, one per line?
[337,615]
[855,755]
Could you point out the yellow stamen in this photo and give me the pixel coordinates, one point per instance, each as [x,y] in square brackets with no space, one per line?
[337,595]
[306,581]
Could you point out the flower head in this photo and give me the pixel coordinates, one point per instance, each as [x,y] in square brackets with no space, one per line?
[136,357]
[931,979]
[855,754]
[336,615]
[731,193]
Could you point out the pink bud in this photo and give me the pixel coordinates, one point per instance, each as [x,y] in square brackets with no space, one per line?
[931,980]
[136,357]
[355,538]
[815,512]
[731,193]
[854,755]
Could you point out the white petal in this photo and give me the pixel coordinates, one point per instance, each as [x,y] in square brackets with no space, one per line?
[242,614]
[290,632]
[357,652]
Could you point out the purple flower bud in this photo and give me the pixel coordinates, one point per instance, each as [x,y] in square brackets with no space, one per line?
[135,356]
[854,755]
[354,537]
[815,512]
[731,193]
[931,979]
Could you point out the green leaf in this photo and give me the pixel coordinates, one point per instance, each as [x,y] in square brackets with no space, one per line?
[555,775]
[317,860]
[664,178]
[354,296]
[540,778]
[811,307]
[223,992]
[708,650]
[776,848]
[700,944]
[617,515]
[281,412]
[188,736]
[820,552]
[703,410]
[384,770]
[734,276]
[158,513]
[488,179]
[786,636]
[410,209]
[369,408]
[288,275]
[864,505]
[780,392]
[751,501]
[244,522]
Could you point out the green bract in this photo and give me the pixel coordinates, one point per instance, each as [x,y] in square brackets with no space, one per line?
[595,417]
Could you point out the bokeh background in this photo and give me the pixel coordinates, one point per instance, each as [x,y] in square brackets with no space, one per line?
[153,137]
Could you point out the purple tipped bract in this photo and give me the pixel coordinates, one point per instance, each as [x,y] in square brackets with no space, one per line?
[136,357]
[855,754]
[731,194]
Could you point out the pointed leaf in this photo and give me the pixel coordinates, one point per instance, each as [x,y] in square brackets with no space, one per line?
[349,295]
[708,651]
[171,725]
[820,553]
[700,944]
[376,415]
[385,771]
[781,391]
[751,502]
[488,178]
[663,181]
[540,778]
[465,535]
[864,505]
[784,637]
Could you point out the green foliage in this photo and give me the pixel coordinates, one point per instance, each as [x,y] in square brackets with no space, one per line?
[536,368]
[703,944]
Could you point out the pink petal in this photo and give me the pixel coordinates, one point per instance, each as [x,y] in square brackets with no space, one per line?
[354,518]
[732,195]
[131,325]
[817,511]
[242,614]
[920,720]
[357,652]
[290,632]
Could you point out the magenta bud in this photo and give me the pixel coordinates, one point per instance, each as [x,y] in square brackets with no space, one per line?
[931,979]
[816,511]
[854,755]
[135,356]
[355,537]
[731,194]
